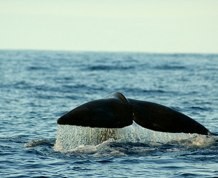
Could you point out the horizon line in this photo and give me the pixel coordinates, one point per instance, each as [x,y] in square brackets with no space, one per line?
[107,51]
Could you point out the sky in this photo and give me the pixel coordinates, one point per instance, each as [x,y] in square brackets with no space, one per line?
[166,26]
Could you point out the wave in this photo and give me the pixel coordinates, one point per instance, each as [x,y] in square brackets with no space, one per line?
[109,67]
[39,142]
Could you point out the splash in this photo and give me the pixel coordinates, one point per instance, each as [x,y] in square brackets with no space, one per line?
[87,139]
[71,137]
[38,142]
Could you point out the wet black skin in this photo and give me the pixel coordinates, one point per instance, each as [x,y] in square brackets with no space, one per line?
[161,118]
[104,113]
[118,112]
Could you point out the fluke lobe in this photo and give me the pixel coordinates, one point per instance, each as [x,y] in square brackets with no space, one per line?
[118,112]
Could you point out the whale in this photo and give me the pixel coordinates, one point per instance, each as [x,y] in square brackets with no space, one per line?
[115,112]
[118,111]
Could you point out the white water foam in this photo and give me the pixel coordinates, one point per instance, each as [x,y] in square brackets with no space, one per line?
[87,139]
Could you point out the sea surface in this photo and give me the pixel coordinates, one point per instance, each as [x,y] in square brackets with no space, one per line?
[37,87]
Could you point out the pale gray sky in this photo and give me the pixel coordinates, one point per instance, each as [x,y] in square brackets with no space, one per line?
[110,25]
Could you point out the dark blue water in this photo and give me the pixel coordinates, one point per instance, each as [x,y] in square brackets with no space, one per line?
[37,87]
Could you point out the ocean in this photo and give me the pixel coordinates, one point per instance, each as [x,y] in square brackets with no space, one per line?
[37,87]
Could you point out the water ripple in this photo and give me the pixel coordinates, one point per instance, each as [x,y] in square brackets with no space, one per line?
[37,87]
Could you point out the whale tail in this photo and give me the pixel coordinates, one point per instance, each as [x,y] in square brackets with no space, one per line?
[161,118]
[114,112]
[118,111]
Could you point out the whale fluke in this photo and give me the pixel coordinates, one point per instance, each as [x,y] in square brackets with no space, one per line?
[161,118]
[118,111]
[113,112]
